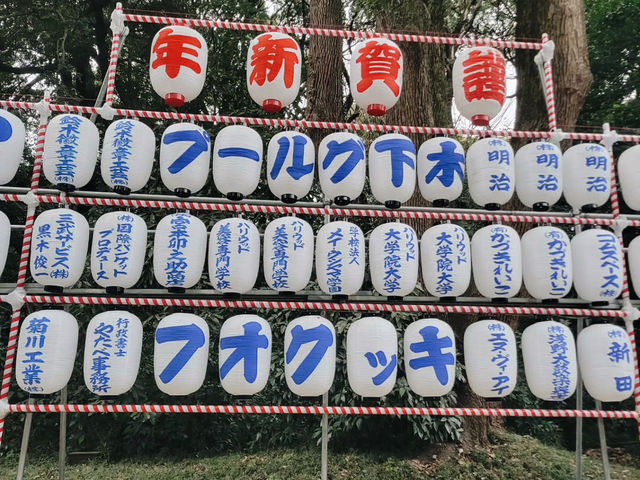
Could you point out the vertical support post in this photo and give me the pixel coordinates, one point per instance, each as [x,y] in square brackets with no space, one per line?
[579,392]
[603,444]
[62,447]
[117,28]
[24,446]
[544,60]
[325,440]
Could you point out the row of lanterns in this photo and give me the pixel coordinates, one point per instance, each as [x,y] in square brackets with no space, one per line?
[48,341]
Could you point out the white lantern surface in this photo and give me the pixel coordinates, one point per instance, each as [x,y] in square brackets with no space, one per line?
[234,255]
[341,167]
[491,172]
[5,239]
[178,64]
[440,170]
[606,362]
[340,258]
[372,356]
[118,250]
[392,169]
[629,176]
[445,253]
[12,137]
[291,159]
[181,353]
[539,175]
[244,354]
[59,248]
[70,151]
[46,351]
[490,358]
[597,265]
[547,267]
[185,154]
[288,254]
[497,261]
[633,257]
[128,148]
[112,350]
[179,250]
[586,176]
[273,70]
[549,356]
[479,83]
[309,355]
[393,259]
[430,357]
[375,72]
[237,161]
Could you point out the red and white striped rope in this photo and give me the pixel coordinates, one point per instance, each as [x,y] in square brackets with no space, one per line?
[113,62]
[549,89]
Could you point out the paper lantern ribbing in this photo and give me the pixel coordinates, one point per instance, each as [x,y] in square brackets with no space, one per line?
[586,176]
[291,159]
[539,175]
[597,265]
[237,161]
[288,254]
[244,354]
[629,176]
[12,136]
[178,64]
[633,256]
[5,239]
[342,167]
[70,151]
[549,356]
[547,268]
[430,357]
[445,253]
[128,148]
[490,358]
[46,351]
[234,255]
[309,355]
[392,169]
[181,353]
[490,172]
[375,71]
[112,352]
[273,70]
[372,356]
[440,170]
[393,259]
[179,250]
[340,258]
[185,154]
[59,248]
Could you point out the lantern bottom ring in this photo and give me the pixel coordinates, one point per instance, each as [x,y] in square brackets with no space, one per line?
[500,300]
[440,203]
[392,204]
[234,196]
[541,207]
[121,190]
[448,299]
[182,192]
[53,289]
[65,187]
[340,298]
[376,109]
[550,301]
[114,290]
[492,206]
[342,200]
[289,198]
[175,99]
[588,208]
[600,303]
[179,290]
[271,105]
[481,120]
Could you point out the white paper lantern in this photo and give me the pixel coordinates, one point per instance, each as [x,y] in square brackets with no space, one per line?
[185,154]
[479,84]
[46,351]
[430,357]
[606,362]
[491,172]
[273,70]
[446,260]
[179,250]
[539,175]
[633,257]
[12,136]
[244,354]
[393,259]
[497,261]
[112,352]
[392,169]
[59,248]
[181,353]
[128,148]
[290,165]
[340,258]
[237,161]
[5,239]
[234,255]
[597,265]
[309,355]
[490,358]
[549,356]
[341,167]
[178,64]
[372,356]
[629,176]
[586,176]
[70,151]
[547,268]
[440,170]
[288,254]
[118,250]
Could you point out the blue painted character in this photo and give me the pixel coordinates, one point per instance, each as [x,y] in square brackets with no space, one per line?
[323,337]
[195,339]
[448,164]
[246,348]
[433,346]
[397,148]
[5,129]
[355,148]
[380,359]
[298,168]
[199,143]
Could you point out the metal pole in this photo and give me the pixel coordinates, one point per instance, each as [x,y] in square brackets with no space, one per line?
[603,445]
[325,440]
[579,419]
[62,448]
[24,446]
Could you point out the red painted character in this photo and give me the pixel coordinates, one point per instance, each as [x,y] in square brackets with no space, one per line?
[484,76]
[170,50]
[379,61]
[269,56]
